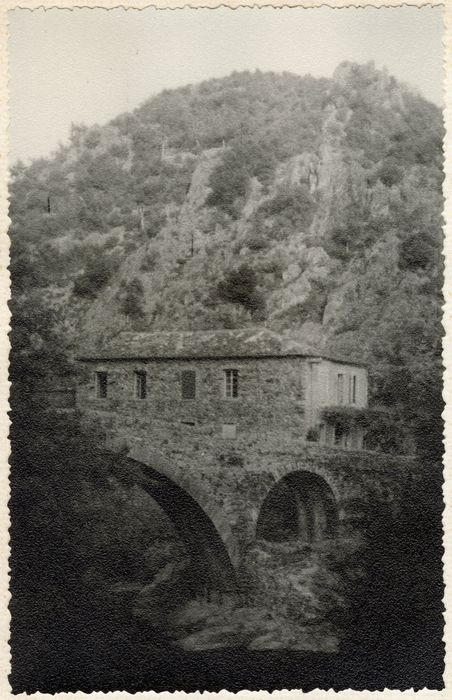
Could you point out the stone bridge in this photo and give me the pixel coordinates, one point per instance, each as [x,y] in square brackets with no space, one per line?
[221,503]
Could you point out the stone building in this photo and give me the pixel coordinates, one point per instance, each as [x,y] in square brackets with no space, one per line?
[197,390]
[240,436]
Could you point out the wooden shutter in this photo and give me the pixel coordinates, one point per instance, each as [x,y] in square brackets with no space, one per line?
[140,385]
[340,389]
[101,385]
[188,384]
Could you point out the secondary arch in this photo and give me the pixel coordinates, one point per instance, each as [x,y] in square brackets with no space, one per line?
[300,506]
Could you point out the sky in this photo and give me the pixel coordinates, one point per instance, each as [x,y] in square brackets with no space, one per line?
[89,65]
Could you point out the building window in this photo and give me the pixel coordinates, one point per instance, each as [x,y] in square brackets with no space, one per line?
[231,383]
[188,384]
[353,383]
[101,385]
[340,389]
[140,385]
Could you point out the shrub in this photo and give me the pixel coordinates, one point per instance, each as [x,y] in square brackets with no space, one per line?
[230,178]
[415,252]
[272,267]
[132,222]
[390,173]
[98,270]
[154,222]
[339,243]
[114,218]
[256,241]
[299,200]
[383,435]
[149,261]
[111,241]
[345,416]
[239,287]
[119,150]
[131,299]
[288,212]
[92,139]
[228,182]
[378,422]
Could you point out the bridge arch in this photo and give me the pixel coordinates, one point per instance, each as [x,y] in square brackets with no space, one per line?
[299,506]
[209,557]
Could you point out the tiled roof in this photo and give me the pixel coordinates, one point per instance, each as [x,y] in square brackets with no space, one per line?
[244,342]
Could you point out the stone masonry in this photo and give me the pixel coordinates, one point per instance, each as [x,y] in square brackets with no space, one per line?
[230,453]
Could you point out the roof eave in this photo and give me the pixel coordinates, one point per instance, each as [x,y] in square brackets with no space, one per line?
[172,358]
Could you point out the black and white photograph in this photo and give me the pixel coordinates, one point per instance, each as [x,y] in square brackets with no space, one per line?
[226,263]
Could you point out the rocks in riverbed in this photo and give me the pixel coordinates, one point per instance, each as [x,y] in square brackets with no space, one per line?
[266,641]
[202,625]
[294,606]
[212,638]
[157,600]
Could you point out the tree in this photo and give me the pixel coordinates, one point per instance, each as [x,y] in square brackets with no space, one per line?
[98,270]
[240,287]
[131,299]
[229,180]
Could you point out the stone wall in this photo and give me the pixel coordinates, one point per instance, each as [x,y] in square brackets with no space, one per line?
[271,399]
[231,484]
[279,398]
[231,477]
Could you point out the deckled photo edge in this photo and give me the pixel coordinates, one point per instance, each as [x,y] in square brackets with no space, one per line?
[4,343]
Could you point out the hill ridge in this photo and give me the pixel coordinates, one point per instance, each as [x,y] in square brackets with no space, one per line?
[307,206]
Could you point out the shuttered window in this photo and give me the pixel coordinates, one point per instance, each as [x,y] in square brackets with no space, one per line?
[188,384]
[340,389]
[140,385]
[101,385]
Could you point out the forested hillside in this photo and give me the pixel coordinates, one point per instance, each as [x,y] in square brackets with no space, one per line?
[310,206]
